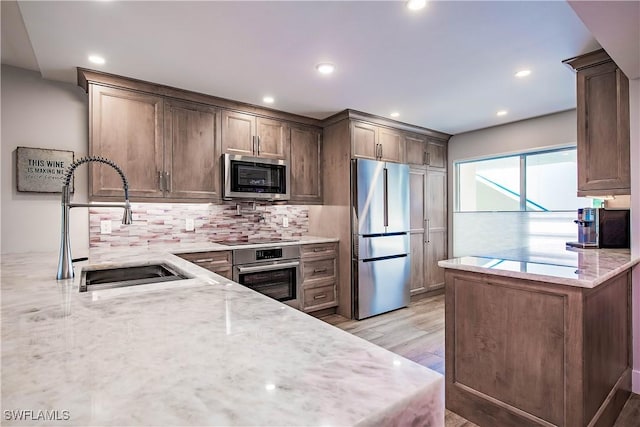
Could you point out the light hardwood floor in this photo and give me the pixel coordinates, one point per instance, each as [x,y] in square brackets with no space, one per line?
[417,333]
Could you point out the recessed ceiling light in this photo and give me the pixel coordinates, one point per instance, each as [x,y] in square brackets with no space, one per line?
[416,4]
[268,100]
[523,73]
[501,113]
[395,114]
[96,59]
[325,68]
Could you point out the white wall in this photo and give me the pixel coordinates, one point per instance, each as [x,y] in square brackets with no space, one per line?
[41,114]
[634,101]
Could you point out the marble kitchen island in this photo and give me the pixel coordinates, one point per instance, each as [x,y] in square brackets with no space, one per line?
[539,344]
[202,351]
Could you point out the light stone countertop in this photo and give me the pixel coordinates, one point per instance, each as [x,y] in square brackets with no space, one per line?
[586,268]
[202,351]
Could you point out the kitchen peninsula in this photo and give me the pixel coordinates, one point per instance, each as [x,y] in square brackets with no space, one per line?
[200,351]
[538,344]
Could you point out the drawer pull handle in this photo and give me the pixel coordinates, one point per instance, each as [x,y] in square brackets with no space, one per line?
[319,270]
[320,296]
[318,249]
[205,260]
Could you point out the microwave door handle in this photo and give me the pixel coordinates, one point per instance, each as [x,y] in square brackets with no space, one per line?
[270,267]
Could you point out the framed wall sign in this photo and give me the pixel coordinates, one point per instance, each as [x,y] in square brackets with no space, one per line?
[42,170]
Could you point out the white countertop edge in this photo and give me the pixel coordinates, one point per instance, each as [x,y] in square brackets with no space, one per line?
[455,264]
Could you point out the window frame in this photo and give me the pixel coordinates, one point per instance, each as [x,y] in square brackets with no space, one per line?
[523,176]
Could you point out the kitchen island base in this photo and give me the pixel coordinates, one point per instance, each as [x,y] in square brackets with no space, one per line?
[528,353]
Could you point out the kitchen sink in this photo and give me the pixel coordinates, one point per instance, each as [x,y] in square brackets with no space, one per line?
[119,277]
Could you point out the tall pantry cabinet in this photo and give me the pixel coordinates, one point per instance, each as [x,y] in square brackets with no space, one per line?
[427,158]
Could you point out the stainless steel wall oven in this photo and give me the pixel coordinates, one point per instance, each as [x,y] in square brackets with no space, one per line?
[272,271]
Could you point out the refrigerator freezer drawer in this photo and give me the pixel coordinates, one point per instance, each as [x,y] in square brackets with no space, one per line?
[383,285]
[381,246]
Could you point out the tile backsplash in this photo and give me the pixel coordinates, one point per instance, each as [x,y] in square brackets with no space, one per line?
[164,223]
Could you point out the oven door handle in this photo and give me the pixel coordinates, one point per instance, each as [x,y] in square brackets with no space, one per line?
[268,267]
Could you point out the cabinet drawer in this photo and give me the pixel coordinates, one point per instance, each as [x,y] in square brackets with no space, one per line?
[320,269]
[225,272]
[319,250]
[320,297]
[218,261]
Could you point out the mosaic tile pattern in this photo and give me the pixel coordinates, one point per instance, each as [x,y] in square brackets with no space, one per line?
[163,223]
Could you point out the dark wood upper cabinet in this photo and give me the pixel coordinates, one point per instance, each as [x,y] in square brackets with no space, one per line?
[436,153]
[416,149]
[192,161]
[391,145]
[249,135]
[166,148]
[238,133]
[126,127]
[364,140]
[377,142]
[272,140]
[603,126]
[306,166]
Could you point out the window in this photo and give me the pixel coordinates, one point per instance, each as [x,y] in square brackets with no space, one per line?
[542,181]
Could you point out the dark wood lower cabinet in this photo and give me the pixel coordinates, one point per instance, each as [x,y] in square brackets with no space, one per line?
[527,353]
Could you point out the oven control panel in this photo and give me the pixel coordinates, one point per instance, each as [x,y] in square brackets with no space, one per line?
[273,253]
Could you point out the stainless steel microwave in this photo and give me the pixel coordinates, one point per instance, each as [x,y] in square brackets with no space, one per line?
[255,178]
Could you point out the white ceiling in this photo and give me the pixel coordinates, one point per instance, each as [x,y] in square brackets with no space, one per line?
[449,67]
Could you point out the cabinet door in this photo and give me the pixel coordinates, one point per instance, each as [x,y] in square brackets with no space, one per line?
[436,227]
[238,131]
[436,153]
[391,145]
[126,127]
[416,149]
[603,131]
[417,221]
[364,140]
[306,182]
[191,158]
[272,140]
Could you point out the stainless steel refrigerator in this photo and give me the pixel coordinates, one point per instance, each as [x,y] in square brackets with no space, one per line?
[380,236]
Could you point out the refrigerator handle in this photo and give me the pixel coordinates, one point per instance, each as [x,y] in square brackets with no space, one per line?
[386,197]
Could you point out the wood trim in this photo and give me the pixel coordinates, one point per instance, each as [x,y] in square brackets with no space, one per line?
[86,77]
[350,114]
[587,60]
[426,294]
[323,312]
